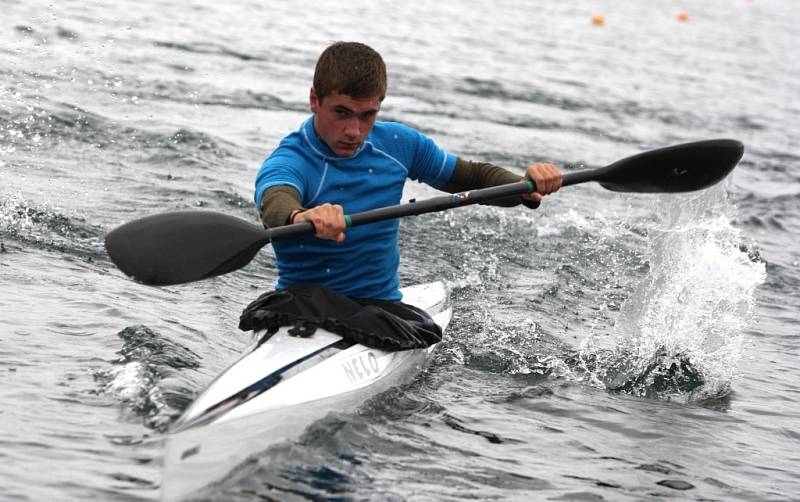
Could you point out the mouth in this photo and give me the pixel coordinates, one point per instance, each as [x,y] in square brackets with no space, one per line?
[348,147]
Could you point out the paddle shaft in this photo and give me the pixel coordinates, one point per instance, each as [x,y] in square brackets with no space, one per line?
[411,208]
[432,205]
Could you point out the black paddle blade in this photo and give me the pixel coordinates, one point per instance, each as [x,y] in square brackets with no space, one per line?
[678,168]
[185,246]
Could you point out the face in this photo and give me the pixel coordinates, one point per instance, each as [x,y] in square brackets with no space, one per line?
[342,122]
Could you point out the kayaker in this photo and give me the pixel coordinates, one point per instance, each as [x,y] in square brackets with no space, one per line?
[343,160]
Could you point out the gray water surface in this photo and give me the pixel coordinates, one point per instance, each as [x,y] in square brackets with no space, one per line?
[551,384]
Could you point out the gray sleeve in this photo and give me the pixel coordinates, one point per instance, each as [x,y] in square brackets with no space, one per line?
[469,175]
[277,205]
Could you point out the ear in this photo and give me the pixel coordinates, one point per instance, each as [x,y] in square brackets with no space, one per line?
[313,101]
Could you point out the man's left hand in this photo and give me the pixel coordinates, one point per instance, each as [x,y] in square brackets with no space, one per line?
[547,178]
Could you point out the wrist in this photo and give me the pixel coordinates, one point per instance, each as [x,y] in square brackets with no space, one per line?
[293,214]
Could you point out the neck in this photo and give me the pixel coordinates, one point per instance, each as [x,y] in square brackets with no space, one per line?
[319,138]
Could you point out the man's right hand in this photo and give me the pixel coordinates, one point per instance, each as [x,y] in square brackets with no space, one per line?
[328,221]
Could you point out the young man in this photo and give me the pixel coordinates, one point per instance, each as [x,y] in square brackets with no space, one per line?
[342,161]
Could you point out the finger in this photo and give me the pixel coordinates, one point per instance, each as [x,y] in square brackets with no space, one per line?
[534,176]
[552,178]
[533,196]
[331,229]
[541,174]
[544,173]
[319,225]
[338,225]
[334,224]
[547,177]
[557,179]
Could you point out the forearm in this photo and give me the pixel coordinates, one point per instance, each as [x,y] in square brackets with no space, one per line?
[277,206]
[470,175]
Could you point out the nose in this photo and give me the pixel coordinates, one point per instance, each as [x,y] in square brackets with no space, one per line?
[352,129]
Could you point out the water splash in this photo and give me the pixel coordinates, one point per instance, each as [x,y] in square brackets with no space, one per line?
[480,341]
[681,332]
[145,359]
[46,227]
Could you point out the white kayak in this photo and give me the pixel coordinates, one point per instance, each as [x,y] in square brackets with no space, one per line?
[277,389]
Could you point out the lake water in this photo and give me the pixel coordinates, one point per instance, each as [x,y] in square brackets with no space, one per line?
[551,383]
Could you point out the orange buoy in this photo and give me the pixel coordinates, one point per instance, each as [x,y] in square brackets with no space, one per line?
[598,20]
[683,16]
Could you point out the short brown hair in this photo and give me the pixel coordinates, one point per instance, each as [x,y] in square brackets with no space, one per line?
[350,68]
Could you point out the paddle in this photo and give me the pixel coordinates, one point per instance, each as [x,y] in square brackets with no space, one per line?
[185,246]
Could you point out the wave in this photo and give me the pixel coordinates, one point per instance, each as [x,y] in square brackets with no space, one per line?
[614,108]
[179,91]
[58,124]
[47,228]
[496,90]
[208,48]
[32,127]
[145,360]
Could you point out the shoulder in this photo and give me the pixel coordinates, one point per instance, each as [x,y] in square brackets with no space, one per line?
[395,137]
[395,131]
[291,150]
[290,158]
[291,144]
